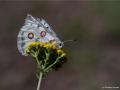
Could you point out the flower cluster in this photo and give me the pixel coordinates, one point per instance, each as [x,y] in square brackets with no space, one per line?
[47,55]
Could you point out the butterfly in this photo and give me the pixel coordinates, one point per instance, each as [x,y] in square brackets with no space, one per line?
[36,30]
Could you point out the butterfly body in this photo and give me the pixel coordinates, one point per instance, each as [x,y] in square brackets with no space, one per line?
[36,30]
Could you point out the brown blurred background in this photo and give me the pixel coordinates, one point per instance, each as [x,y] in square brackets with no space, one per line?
[93,60]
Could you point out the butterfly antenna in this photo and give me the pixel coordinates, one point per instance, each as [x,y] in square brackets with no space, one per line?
[69,41]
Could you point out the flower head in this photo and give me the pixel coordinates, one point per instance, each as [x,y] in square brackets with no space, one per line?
[47,55]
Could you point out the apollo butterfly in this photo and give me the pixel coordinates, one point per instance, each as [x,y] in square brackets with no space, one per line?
[36,30]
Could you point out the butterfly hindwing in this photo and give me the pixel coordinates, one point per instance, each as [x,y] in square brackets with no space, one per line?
[27,33]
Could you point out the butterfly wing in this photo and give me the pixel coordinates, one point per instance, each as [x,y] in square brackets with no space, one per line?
[27,34]
[50,31]
[35,30]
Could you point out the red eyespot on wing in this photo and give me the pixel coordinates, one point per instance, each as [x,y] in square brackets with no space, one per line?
[30,35]
[43,34]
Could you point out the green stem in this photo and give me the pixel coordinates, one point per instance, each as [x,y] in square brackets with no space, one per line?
[39,82]
[52,64]
[37,59]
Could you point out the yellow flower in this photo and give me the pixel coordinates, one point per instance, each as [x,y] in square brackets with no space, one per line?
[60,52]
[46,54]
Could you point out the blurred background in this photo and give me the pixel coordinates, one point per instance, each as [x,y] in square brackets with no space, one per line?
[93,60]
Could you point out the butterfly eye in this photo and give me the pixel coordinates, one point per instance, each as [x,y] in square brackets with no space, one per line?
[43,34]
[60,44]
[30,35]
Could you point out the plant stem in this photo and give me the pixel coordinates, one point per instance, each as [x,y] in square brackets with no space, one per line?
[52,64]
[39,82]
